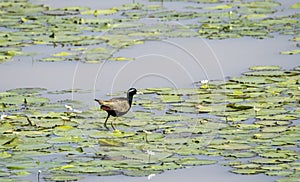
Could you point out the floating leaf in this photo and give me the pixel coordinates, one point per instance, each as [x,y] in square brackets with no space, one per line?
[264,68]
[265,73]
[219,7]
[291,52]
[295,6]
[252,80]
[100,12]
[272,123]
[109,142]
[247,171]
[62,54]
[264,161]
[247,166]
[52,59]
[239,155]
[275,129]
[273,172]
[63,177]
[231,146]
[194,161]
[5,155]
[274,154]
[238,107]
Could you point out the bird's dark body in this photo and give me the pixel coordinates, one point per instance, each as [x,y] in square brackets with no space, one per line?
[117,106]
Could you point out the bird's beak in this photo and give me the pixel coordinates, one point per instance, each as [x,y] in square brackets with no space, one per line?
[96,100]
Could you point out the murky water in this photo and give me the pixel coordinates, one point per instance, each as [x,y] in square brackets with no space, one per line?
[176,63]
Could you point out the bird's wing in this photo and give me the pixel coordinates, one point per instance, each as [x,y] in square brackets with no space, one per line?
[119,105]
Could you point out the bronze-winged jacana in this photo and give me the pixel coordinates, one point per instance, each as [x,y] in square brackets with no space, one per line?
[117,106]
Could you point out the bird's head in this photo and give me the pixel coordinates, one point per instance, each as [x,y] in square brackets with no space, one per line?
[132,91]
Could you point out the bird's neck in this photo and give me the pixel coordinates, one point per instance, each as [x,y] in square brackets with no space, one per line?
[129,97]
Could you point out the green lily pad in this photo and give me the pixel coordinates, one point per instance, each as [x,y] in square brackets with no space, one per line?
[295,6]
[100,12]
[170,118]
[265,135]
[238,107]
[252,80]
[52,59]
[273,154]
[27,91]
[239,155]
[273,123]
[62,54]
[219,7]
[213,108]
[170,98]
[231,146]
[291,52]
[109,142]
[18,100]
[279,117]
[264,161]
[275,129]
[247,171]
[4,154]
[195,162]
[149,158]
[85,169]
[273,172]
[33,146]
[275,73]
[63,177]
[183,109]
[264,68]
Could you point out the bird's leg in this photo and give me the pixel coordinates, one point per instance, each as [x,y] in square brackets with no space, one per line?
[113,125]
[106,122]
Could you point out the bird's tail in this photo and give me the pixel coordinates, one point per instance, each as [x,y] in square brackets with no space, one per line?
[97,100]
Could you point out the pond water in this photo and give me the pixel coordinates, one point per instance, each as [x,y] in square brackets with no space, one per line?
[174,62]
[200,173]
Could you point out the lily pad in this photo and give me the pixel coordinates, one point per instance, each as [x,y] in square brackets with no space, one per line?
[100,12]
[195,162]
[251,80]
[247,171]
[239,155]
[274,73]
[264,68]
[295,6]
[275,129]
[231,146]
[272,123]
[291,52]
[219,7]
[264,161]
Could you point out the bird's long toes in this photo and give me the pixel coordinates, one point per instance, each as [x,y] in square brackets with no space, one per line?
[106,127]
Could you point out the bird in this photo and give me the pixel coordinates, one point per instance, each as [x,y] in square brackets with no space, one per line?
[117,106]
